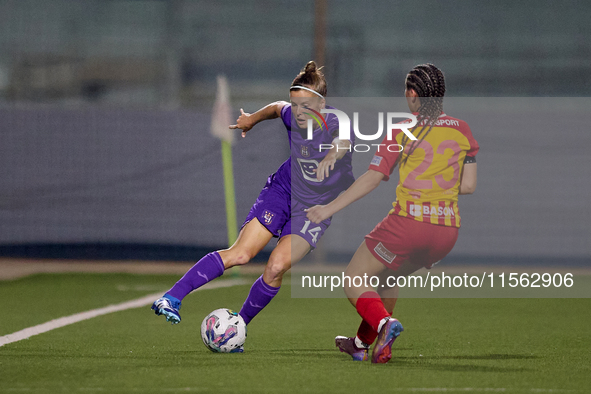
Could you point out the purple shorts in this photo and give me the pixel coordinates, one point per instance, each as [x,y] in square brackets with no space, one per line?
[282,216]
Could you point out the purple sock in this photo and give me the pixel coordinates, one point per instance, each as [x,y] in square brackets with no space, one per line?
[205,270]
[259,296]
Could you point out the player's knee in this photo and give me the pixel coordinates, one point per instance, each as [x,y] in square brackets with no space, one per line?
[243,258]
[277,266]
[350,291]
[232,258]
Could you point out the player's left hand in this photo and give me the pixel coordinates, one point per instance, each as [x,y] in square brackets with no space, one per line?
[318,213]
[325,167]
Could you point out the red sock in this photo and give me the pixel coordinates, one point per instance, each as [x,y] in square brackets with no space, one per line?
[371,308]
[366,334]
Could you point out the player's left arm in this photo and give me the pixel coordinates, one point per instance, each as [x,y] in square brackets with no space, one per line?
[337,152]
[468,178]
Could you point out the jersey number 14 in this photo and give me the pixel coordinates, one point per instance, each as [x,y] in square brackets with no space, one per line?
[313,231]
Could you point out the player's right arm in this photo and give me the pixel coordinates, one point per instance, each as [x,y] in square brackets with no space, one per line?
[360,188]
[247,121]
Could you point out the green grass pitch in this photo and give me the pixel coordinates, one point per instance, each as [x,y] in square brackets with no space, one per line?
[449,345]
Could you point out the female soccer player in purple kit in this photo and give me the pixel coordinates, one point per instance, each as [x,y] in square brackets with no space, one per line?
[309,177]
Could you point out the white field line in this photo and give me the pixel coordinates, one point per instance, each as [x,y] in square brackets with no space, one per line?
[478,389]
[399,389]
[77,317]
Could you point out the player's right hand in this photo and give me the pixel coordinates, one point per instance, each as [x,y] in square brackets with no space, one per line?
[243,122]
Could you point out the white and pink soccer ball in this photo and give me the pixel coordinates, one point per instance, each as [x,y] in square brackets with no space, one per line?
[223,331]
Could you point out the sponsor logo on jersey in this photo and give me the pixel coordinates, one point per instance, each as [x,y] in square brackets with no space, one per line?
[384,253]
[443,122]
[418,210]
[268,217]
[305,151]
[308,167]
[376,160]
[415,210]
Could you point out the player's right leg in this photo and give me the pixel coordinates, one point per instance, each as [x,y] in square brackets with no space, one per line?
[252,239]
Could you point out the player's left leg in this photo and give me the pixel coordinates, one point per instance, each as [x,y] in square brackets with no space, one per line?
[366,335]
[298,237]
[289,250]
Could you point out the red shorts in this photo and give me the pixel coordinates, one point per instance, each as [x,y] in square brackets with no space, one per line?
[396,240]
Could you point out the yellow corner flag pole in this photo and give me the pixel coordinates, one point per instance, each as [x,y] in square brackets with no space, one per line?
[220,120]
[230,193]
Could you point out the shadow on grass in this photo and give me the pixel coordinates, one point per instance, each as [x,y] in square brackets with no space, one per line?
[430,362]
[481,363]
[397,363]
[332,349]
[491,356]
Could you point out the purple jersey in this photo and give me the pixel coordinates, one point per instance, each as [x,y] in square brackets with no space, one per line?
[298,170]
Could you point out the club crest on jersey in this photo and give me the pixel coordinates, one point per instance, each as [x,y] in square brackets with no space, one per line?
[376,160]
[305,151]
[268,217]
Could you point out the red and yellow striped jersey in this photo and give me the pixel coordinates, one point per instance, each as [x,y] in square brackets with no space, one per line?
[430,178]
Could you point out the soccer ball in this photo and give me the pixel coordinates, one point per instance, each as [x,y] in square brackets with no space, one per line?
[223,331]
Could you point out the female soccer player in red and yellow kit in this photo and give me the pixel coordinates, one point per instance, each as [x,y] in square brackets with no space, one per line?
[422,228]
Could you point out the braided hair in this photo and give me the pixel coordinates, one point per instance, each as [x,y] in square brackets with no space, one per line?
[429,83]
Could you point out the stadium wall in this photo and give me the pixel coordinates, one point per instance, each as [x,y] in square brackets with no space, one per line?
[112,183]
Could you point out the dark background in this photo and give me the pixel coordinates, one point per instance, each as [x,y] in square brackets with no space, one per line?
[105,111]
